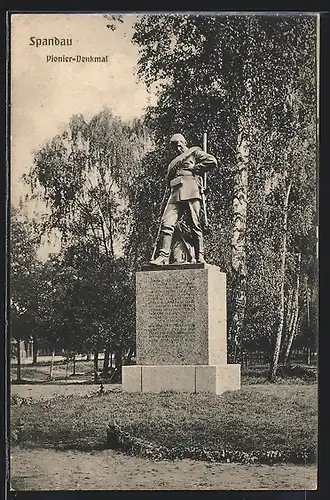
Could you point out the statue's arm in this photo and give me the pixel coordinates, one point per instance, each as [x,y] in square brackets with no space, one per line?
[204,161]
[169,176]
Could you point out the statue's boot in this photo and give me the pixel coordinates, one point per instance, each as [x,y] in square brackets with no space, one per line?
[164,252]
[160,261]
[201,259]
[199,251]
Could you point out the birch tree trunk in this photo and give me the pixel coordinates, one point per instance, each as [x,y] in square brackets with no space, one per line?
[308,302]
[295,314]
[67,368]
[279,333]
[18,374]
[74,364]
[289,318]
[292,334]
[35,352]
[96,366]
[290,314]
[51,366]
[106,360]
[129,356]
[238,245]
[118,359]
[240,199]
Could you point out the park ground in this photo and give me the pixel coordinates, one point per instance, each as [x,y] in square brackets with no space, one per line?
[45,469]
[42,467]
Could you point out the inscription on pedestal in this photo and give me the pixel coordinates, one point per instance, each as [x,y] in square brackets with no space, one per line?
[170,316]
[175,308]
[173,324]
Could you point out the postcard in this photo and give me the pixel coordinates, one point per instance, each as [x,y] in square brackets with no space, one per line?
[163,251]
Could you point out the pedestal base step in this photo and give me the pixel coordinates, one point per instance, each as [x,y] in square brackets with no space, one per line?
[182,378]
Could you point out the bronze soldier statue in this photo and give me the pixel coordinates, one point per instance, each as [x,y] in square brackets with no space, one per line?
[185,180]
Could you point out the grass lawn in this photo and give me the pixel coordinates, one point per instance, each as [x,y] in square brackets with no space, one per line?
[258,418]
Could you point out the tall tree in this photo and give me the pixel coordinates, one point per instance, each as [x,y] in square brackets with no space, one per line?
[23,271]
[82,175]
[293,313]
[296,167]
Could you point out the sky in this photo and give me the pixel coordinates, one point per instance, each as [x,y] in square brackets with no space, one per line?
[44,95]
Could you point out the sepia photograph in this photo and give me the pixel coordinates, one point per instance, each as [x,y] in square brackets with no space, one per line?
[163,253]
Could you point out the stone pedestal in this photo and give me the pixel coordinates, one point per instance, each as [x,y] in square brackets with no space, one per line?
[181,332]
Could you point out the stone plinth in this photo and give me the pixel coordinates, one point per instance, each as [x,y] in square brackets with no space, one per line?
[182,378]
[181,332]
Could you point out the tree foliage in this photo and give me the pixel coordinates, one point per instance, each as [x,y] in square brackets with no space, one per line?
[103,180]
[225,74]
[23,274]
[83,176]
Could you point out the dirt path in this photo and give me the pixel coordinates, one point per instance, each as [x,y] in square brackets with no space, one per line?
[42,469]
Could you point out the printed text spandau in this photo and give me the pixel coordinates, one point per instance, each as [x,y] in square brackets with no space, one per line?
[48,42]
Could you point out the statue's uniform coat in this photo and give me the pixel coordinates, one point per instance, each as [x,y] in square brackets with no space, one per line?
[184,165]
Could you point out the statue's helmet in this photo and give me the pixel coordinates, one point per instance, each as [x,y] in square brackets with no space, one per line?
[178,138]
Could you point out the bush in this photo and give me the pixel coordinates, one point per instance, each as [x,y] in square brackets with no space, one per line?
[292,374]
[124,441]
